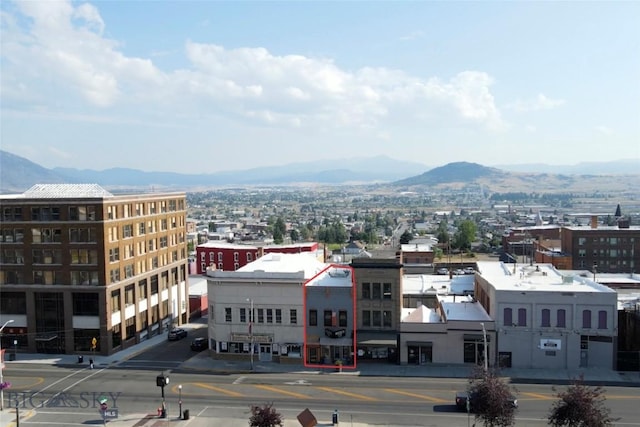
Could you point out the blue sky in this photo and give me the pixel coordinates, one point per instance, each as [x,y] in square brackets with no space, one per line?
[205,86]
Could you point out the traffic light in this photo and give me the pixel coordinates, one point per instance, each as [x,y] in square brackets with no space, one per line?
[162,381]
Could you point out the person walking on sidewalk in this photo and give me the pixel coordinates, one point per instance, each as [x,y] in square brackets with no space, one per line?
[90,363]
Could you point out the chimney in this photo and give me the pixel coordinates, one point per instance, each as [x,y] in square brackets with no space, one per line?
[260,251]
[594,221]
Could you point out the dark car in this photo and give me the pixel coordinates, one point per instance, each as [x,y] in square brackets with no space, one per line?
[177,334]
[463,396]
[199,344]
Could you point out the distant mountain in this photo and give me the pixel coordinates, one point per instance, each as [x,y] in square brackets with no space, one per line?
[17,174]
[618,167]
[462,172]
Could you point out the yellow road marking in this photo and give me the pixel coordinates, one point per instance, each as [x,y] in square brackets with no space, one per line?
[277,390]
[540,396]
[346,393]
[38,381]
[218,389]
[419,396]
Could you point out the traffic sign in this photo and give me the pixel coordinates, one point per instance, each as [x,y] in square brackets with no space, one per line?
[94,343]
[111,414]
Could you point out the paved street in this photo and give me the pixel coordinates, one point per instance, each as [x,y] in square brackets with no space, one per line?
[59,391]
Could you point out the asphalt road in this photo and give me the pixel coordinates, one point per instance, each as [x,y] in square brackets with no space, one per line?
[68,396]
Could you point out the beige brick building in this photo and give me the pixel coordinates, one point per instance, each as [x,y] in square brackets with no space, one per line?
[78,263]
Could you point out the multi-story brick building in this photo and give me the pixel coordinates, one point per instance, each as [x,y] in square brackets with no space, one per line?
[231,256]
[603,248]
[83,270]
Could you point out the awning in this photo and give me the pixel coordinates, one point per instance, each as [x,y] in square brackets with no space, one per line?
[389,339]
[341,342]
[476,337]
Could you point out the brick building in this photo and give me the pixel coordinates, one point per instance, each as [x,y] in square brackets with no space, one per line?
[79,265]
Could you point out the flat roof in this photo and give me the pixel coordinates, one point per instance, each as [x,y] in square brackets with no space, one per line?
[299,266]
[334,276]
[463,308]
[536,277]
[417,284]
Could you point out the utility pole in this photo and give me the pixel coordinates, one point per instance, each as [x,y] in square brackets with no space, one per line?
[484,338]
[251,331]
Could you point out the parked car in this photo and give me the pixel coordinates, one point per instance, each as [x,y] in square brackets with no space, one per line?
[199,344]
[177,334]
[463,396]
[458,272]
[469,270]
[442,271]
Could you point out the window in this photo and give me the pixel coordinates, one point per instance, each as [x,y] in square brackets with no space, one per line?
[269,315]
[522,317]
[342,318]
[114,275]
[141,229]
[227,314]
[163,242]
[260,315]
[84,278]
[46,235]
[115,301]
[366,318]
[129,295]
[386,319]
[127,231]
[128,271]
[366,291]
[249,257]
[507,317]
[278,315]
[243,315]
[293,316]
[386,291]
[546,318]
[582,241]
[114,254]
[220,256]
[46,256]
[602,319]
[586,319]
[142,289]
[313,317]
[236,256]
[328,315]
[376,291]
[82,213]
[377,318]
[562,318]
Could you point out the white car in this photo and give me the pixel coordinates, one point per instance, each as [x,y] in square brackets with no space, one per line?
[469,270]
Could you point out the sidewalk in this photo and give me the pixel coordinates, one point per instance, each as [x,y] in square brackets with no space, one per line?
[204,363]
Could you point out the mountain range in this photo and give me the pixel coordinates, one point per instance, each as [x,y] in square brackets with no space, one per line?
[18,174]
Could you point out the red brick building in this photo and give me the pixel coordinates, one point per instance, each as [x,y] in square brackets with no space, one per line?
[230,256]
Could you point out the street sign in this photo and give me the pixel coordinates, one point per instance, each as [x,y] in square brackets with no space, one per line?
[94,343]
[110,414]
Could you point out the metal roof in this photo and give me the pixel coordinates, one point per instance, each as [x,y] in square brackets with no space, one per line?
[62,191]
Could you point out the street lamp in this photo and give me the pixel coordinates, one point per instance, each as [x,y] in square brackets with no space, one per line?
[180,401]
[595,267]
[251,331]
[2,366]
[484,337]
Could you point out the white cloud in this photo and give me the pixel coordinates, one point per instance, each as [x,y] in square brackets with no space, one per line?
[62,59]
[539,103]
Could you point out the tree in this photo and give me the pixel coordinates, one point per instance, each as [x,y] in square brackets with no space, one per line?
[442,234]
[406,237]
[465,235]
[580,406]
[265,416]
[492,399]
[295,236]
[279,230]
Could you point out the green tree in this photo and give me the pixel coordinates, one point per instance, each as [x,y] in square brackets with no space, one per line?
[580,406]
[265,416]
[406,237]
[279,230]
[491,399]
[465,235]
[442,234]
[294,235]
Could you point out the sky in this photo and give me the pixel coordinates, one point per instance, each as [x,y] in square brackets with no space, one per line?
[207,86]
